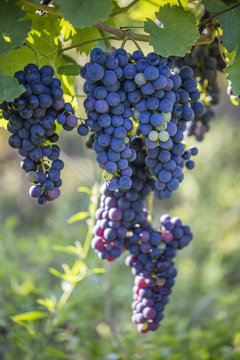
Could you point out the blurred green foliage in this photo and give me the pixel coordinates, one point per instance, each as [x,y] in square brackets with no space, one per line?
[71,312]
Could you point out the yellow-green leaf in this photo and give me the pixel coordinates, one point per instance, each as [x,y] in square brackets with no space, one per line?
[77,217]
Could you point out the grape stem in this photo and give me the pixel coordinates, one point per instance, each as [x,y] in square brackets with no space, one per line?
[220,46]
[35,52]
[218,13]
[38,54]
[88,42]
[150,207]
[104,38]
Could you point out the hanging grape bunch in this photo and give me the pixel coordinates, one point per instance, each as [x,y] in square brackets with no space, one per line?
[33,119]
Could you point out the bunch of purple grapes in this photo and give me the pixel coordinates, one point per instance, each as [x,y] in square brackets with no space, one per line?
[32,122]
[137,100]
[152,253]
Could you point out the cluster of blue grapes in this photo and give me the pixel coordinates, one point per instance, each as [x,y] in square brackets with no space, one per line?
[108,110]
[152,253]
[167,167]
[119,211]
[32,122]
[205,60]
[137,108]
[132,98]
[122,224]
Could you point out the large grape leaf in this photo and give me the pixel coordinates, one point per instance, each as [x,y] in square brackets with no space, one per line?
[179,31]
[13,29]
[85,13]
[230,22]
[233,72]
[9,88]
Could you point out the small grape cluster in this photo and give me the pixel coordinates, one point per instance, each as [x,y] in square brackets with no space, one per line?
[119,211]
[151,260]
[205,60]
[132,96]
[167,167]
[32,122]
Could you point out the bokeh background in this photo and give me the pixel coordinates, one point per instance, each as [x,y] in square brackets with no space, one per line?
[85,314]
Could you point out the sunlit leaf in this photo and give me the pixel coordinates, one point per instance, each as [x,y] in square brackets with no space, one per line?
[77,217]
[29,316]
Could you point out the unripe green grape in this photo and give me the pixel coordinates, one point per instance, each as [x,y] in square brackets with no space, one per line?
[163,136]
[140,79]
[153,135]
[167,116]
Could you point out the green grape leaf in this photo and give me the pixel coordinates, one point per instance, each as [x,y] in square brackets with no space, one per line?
[233,72]
[55,353]
[13,30]
[83,35]
[69,69]
[85,12]
[179,31]
[230,22]
[9,88]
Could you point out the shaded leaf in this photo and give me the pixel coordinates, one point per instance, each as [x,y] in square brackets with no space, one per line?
[230,22]
[85,12]
[13,30]
[56,353]
[9,88]
[233,72]
[83,35]
[69,69]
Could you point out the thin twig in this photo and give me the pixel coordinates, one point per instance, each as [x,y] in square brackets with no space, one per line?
[35,52]
[179,2]
[131,27]
[120,33]
[104,38]
[43,55]
[218,13]
[88,42]
[136,44]
[125,9]
[220,46]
